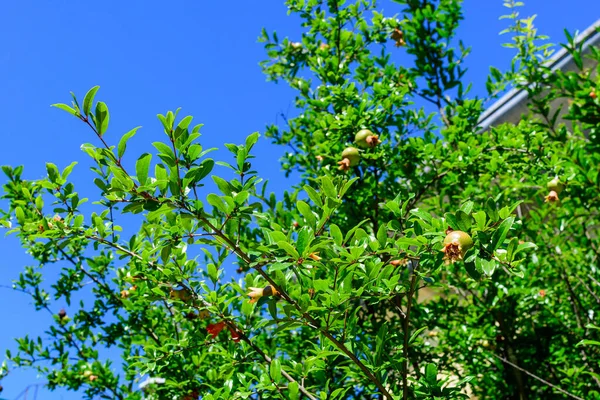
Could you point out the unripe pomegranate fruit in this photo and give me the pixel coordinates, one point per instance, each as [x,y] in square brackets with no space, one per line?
[555,185]
[350,158]
[593,95]
[456,245]
[366,139]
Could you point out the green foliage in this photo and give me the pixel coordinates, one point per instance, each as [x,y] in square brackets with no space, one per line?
[347,288]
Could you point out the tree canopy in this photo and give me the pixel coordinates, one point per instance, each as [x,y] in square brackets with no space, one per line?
[420,257]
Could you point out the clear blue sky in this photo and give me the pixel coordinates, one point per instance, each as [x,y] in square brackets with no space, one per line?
[152,56]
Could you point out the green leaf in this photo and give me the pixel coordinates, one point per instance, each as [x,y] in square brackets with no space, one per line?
[382,235]
[500,234]
[67,171]
[463,220]
[293,390]
[480,219]
[425,216]
[524,246]
[587,342]
[415,334]
[39,203]
[123,142]
[351,232]
[487,266]
[467,207]
[251,140]
[512,246]
[142,166]
[277,236]
[52,170]
[20,215]
[213,273]
[347,186]
[431,373]
[196,174]
[339,393]
[451,221]
[289,249]
[313,195]
[328,188]
[102,118]
[182,126]
[592,326]
[336,234]
[223,185]
[216,201]
[307,213]
[164,148]
[303,240]
[472,270]
[275,370]
[89,99]
[490,207]
[66,108]
[394,207]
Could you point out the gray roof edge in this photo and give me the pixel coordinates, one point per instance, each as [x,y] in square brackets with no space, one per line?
[515,96]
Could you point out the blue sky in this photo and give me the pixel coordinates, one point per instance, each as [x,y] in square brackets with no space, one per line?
[150,57]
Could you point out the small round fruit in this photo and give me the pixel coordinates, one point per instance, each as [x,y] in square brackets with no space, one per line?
[361,137]
[366,139]
[556,185]
[456,245]
[352,154]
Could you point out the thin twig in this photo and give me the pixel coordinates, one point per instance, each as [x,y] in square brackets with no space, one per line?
[537,377]
[406,327]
